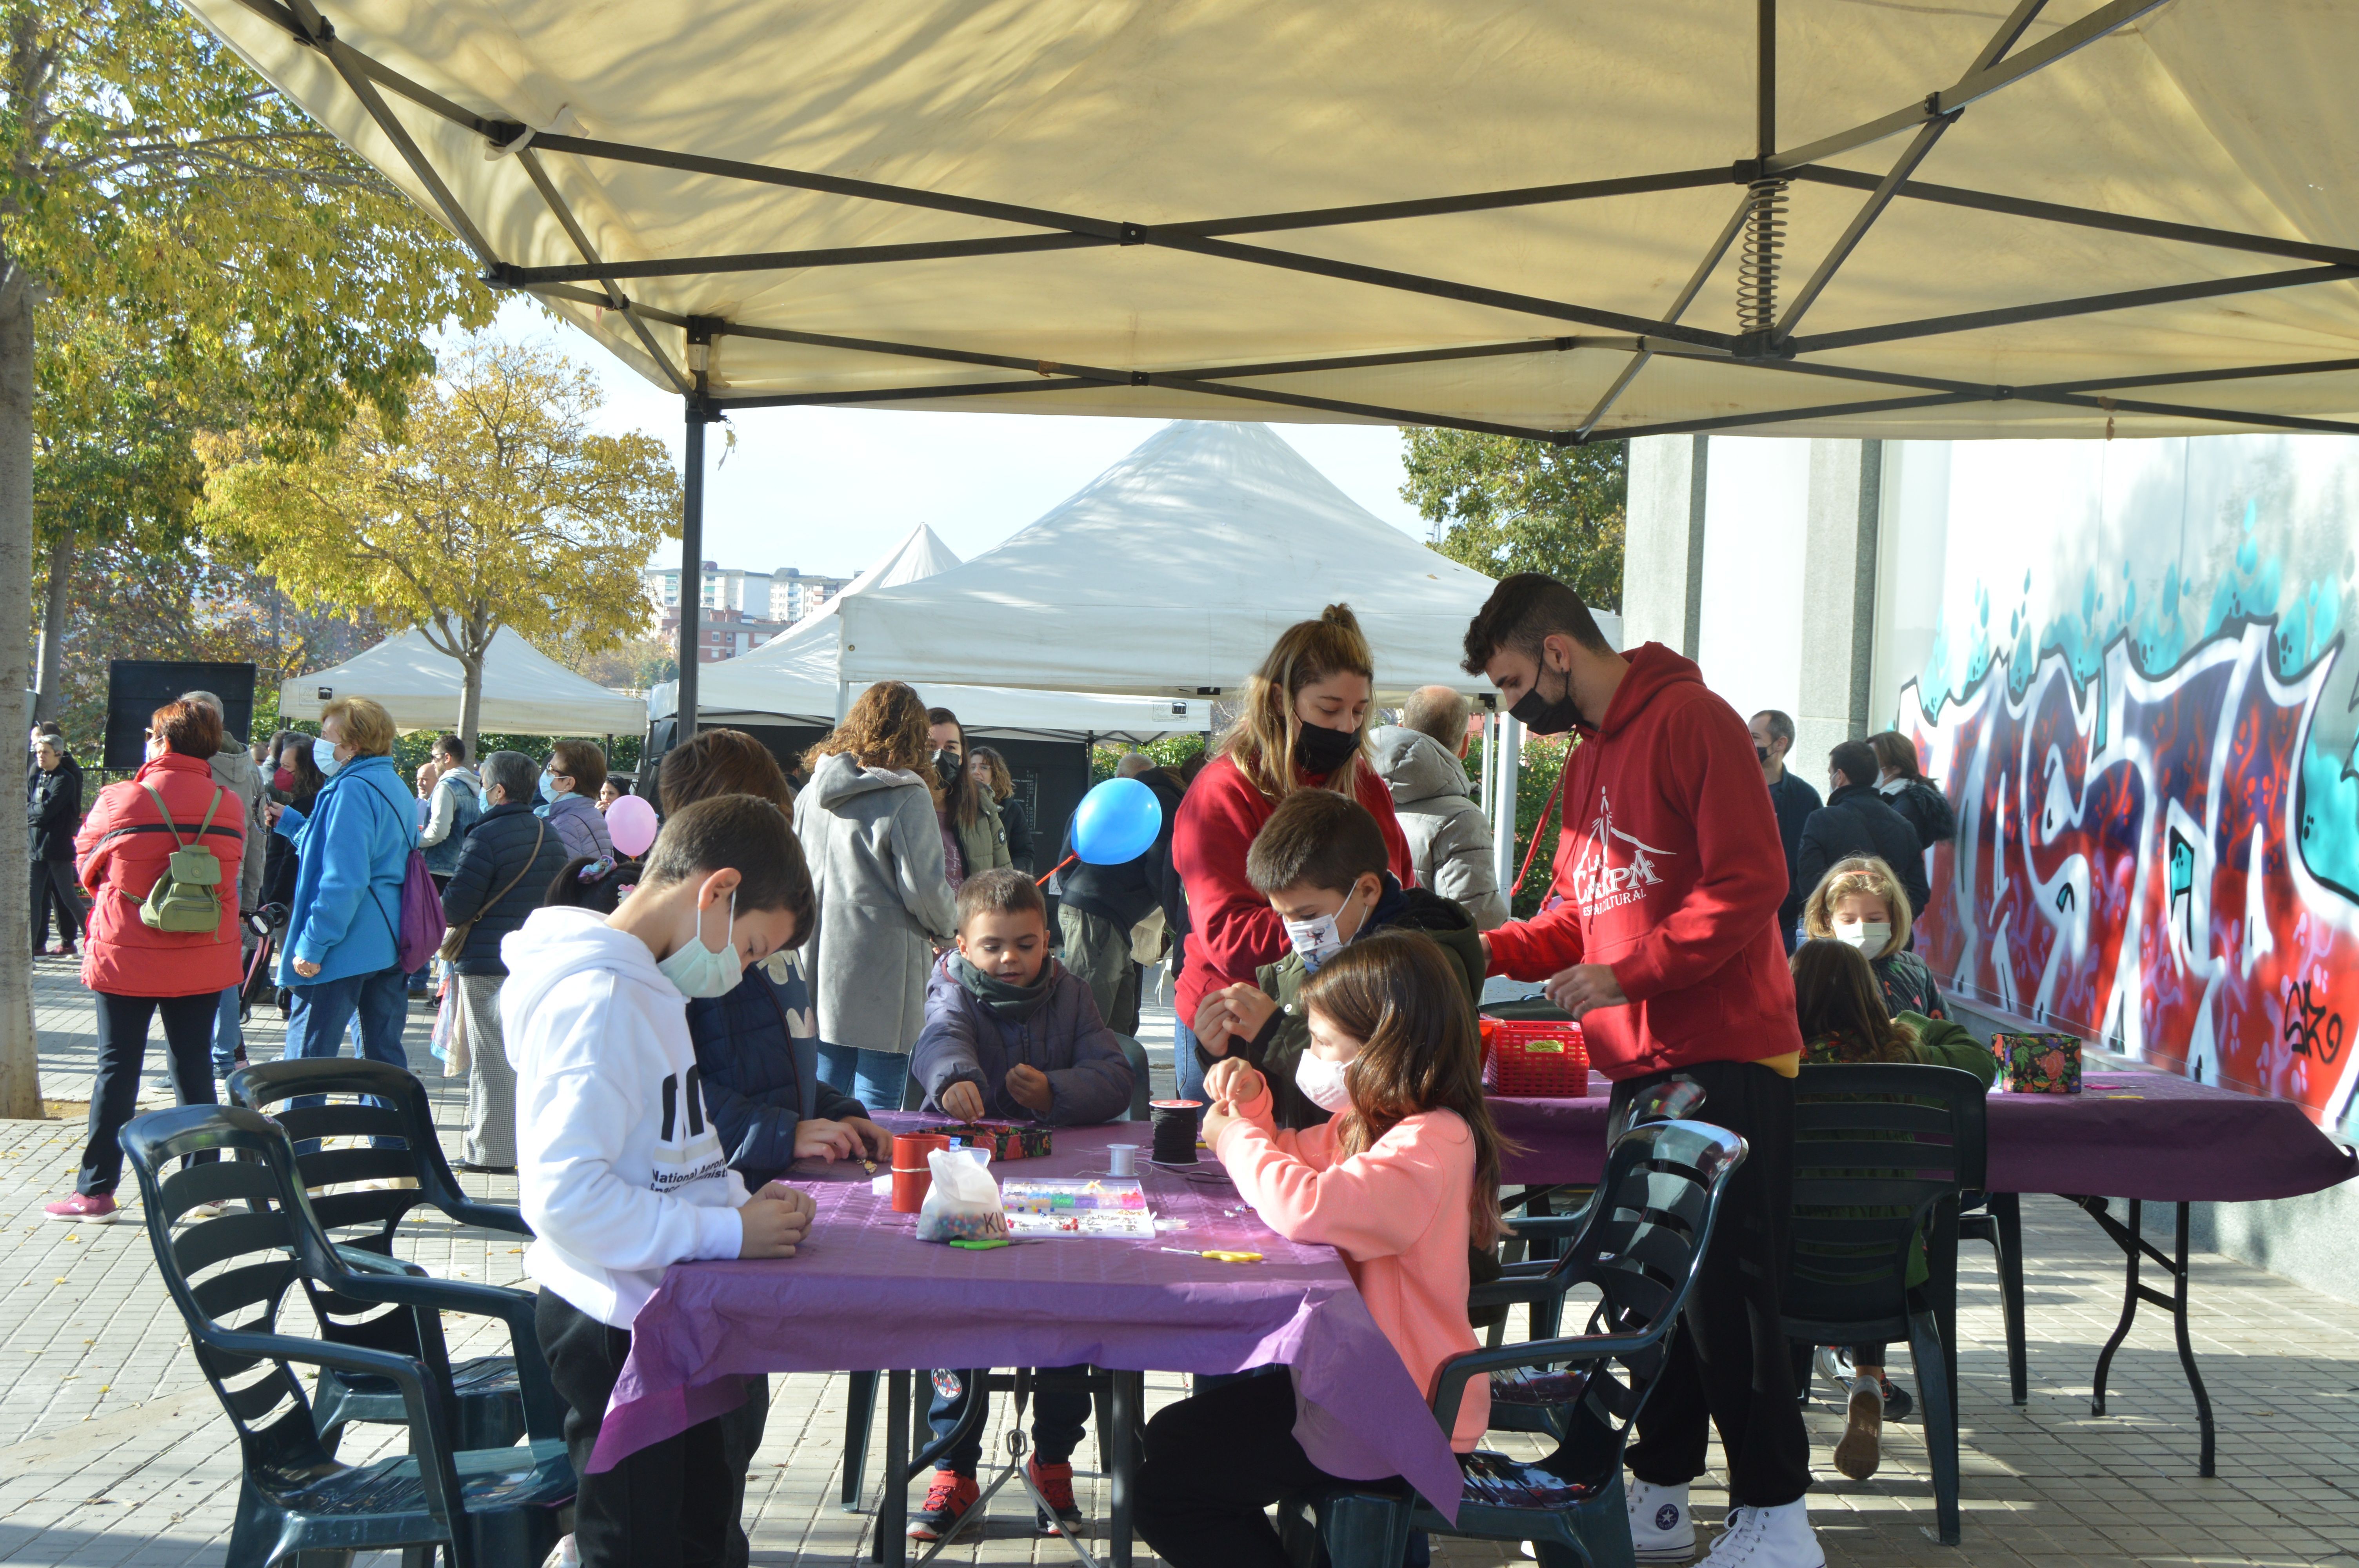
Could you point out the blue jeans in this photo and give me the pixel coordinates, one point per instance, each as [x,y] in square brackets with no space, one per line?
[315,1023]
[1061,1404]
[878,1079]
[1187,1075]
[229,1036]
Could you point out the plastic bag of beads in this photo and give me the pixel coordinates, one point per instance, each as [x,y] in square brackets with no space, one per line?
[963,1204]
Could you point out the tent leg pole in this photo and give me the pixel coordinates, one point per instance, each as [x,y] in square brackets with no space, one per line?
[1490,758]
[1503,842]
[691,574]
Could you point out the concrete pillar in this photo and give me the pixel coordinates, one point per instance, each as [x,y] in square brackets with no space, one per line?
[1662,550]
[1841,526]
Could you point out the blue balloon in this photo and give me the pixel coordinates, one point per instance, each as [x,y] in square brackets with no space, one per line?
[1116,822]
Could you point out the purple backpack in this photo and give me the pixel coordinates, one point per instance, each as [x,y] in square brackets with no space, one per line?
[421,917]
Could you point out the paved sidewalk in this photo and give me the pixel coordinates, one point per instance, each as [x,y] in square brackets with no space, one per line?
[113,1451]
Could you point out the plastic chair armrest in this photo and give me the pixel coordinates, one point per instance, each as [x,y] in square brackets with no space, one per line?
[487,1216]
[1565,1225]
[1463,1369]
[369,1262]
[544,1412]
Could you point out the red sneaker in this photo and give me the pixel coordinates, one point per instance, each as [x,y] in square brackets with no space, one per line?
[85,1208]
[947,1501]
[1056,1484]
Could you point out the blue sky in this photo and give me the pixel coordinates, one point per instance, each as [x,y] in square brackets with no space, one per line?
[831,490]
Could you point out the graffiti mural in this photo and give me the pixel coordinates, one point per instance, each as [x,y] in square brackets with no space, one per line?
[2158,841]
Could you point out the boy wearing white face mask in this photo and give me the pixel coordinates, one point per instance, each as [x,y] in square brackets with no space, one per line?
[620,1171]
[1860,904]
[1320,861]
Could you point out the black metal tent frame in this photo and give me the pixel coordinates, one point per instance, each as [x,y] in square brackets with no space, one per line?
[1768,340]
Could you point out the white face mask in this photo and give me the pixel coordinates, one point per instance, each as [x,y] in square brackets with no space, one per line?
[697,970]
[1322,1081]
[1870,936]
[1320,937]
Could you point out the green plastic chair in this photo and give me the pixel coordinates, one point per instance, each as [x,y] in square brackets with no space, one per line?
[229,1276]
[388,1108]
[1641,1249]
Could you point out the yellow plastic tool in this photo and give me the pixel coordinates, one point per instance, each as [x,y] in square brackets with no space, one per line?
[1217,1257]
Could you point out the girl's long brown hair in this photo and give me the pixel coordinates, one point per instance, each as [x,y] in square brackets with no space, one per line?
[1841,1008]
[1397,994]
[1002,783]
[1261,742]
[885,727]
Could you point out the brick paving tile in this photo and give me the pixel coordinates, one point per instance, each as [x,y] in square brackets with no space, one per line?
[113,1451]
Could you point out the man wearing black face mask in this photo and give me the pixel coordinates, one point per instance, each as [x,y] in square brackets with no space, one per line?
[1793,799]
[1662,940]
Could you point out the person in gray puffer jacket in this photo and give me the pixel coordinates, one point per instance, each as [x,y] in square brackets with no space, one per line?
[1011,1034]
[869,834]
[1422,759]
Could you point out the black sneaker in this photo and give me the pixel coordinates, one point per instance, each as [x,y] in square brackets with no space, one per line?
[1897,1402]
[948,1502]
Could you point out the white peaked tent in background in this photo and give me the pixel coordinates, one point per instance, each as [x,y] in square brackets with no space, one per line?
[1172,573]
[793,678]
[525,692]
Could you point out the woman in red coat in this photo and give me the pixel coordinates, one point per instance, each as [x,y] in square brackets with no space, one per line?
[1305,727]
[135,971]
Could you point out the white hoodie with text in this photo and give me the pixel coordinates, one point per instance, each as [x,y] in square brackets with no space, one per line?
[619,1171]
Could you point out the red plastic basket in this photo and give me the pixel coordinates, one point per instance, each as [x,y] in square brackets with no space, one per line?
[1535,1059]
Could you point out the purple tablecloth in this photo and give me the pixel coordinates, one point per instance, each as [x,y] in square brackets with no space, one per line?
[2154,1136]
[864,1294]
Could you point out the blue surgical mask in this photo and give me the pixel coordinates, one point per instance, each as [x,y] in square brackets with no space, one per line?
[697,970]
[323,756]
[547,795]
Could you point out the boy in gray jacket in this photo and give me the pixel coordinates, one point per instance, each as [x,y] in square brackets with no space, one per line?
[1011,1035]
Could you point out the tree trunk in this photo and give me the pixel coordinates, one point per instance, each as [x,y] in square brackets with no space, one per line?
[471,699]
[52,680]
[20,1067]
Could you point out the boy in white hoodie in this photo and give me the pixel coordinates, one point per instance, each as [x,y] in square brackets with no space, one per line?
[620,1171]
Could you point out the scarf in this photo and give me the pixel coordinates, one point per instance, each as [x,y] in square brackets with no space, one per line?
[1011,1003]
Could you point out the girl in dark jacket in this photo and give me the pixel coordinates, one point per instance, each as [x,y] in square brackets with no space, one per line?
[1908,792]
[991,775]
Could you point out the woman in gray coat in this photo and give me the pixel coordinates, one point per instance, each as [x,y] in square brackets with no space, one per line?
[869,832]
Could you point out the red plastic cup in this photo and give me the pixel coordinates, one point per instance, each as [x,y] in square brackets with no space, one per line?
[909,1189]
[910,1148]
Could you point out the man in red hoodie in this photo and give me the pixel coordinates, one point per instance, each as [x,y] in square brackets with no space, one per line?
[1660,935]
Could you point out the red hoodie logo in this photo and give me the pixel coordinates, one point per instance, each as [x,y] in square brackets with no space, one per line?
[1612,868]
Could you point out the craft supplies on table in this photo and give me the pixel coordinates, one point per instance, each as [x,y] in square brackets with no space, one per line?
[1099,1206]
[1006,1139]
[1534,1058]
[1175,1131]
[2039,1064]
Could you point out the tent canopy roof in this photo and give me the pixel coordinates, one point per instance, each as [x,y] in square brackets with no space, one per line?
[525,692]
[793,677]
[1176,569]
[2101,217]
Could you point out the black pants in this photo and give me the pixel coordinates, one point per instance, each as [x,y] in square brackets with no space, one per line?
[674,1504]
[1213,1463]
[53,884]
[1730,1365]
[123,1054]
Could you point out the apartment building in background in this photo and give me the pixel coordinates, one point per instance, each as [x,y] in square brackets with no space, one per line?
[740,609]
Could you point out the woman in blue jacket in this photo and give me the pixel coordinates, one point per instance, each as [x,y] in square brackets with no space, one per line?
[352,854]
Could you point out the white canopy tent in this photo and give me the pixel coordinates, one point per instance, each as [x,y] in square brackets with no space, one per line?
[795,678]
[525,692]
[1171,574]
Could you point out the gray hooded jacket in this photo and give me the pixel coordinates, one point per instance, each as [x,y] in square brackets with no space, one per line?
[1448,836]
[233,770]
[874,848]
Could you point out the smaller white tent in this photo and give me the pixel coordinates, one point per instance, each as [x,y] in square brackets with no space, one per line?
[525,692]
[793,678]
[1172,573]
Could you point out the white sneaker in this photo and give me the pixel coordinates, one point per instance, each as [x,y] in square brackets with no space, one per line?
[1661,1528]
[1860,1452]
[1833,1363]
[1767,1538]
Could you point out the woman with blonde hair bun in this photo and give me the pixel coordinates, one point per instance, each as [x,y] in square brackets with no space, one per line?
[868,828]
[1305,726]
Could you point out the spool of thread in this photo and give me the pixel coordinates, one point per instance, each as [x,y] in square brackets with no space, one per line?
[1175,1131]
[1122,1159]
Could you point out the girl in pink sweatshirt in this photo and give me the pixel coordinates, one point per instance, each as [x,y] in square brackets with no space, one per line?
[1404,1182]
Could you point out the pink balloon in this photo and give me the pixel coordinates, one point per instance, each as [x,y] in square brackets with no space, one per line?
[631,824]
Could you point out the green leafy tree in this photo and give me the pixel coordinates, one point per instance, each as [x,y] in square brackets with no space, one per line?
[212,256]
[1505,505]
[497,503]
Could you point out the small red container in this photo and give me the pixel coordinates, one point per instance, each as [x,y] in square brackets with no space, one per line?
[909,1189]
[1535,1058]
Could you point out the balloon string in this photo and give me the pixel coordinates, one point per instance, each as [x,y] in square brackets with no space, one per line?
[1042,880]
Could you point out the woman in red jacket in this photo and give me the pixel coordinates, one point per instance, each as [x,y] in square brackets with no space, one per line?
[1305,727]
[136,970]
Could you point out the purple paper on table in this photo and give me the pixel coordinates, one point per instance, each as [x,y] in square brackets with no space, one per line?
[863,1294]
[2154,1136]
